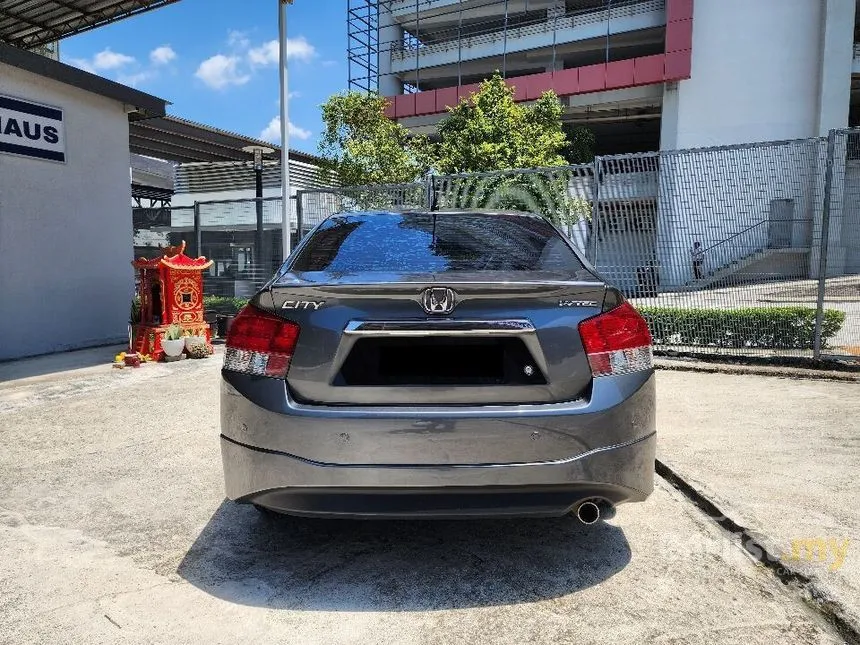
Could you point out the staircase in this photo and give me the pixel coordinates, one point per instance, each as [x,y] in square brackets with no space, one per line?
[759,258]
[752,248]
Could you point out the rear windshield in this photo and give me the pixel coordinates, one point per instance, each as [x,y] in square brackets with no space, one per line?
[435,243]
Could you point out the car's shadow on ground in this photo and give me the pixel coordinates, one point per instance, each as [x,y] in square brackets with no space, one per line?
[287,562]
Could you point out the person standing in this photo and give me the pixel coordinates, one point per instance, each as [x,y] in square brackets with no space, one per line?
[697,254]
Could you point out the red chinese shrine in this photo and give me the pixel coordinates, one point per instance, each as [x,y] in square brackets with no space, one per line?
[171,292]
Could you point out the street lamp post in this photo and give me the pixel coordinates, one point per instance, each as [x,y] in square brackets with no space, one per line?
[260,257]
[286,208]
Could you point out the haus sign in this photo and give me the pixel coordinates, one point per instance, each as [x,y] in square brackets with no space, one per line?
[31,129]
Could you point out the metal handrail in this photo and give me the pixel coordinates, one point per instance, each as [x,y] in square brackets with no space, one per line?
[747,230]
[401,51]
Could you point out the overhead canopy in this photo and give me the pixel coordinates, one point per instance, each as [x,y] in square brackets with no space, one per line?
[175,139]
[31,23]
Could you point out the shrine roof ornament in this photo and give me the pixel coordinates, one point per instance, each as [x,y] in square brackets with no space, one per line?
[174,257]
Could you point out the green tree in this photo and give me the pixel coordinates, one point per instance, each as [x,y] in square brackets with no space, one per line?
[580,144]
[362,146]
[490,131]
[487,132]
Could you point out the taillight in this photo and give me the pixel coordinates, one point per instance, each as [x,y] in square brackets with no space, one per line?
[617,342]
[260,343]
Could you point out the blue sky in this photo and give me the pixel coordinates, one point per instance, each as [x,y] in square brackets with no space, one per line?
[216,61]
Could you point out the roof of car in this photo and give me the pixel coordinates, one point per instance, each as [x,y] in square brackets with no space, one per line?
[446,211]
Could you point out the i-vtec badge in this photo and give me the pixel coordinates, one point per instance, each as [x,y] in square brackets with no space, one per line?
[577,303]
[303,304]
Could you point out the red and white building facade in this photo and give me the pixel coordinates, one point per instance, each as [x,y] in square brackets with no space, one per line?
[643,74]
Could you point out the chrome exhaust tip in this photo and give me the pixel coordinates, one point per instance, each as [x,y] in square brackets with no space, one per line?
[588,513]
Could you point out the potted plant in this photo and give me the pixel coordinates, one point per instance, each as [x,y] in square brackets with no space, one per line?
[199,350]
[134,313]
[172,341]
[192,340]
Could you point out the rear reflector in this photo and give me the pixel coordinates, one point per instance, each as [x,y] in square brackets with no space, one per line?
[260,344]
[617,342]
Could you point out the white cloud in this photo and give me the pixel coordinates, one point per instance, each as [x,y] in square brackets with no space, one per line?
[272,133]
[103,61]
[300,49]
[268,53]
[111,60]
[162,55]
[82,63]
[134,80]
[238,39]
[221,71]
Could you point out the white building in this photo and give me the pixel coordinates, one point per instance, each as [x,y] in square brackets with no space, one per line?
[66,202]
[65,275]
[644,74]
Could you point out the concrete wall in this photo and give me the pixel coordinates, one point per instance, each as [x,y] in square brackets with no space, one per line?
[843,251]
[837,54]
[390,37]
[65,229]
[723,197]
[756,72]
[850,237]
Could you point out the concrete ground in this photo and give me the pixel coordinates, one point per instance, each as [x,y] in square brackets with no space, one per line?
[114,529]
[780,457]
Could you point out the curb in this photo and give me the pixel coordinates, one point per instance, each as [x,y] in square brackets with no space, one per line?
[805,587]
[755,370]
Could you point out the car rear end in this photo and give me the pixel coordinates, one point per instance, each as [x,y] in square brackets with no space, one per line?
[441,365]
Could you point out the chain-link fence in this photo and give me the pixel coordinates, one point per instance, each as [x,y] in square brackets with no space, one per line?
[720,248]
[743,250]
[243,238]
[313,206]
[734,226]
[562,195]
[836,252]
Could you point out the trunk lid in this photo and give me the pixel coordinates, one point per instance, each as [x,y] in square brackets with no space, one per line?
[367,339]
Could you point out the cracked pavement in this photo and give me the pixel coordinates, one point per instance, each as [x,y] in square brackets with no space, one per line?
[114,529]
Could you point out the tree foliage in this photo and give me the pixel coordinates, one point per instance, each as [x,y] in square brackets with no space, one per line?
[362,146]
[580,144]
[490,131]
[486,132]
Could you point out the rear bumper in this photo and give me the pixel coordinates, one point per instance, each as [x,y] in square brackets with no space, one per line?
[437,462]
[297,486]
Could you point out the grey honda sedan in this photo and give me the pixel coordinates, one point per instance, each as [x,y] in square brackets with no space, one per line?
[438,364]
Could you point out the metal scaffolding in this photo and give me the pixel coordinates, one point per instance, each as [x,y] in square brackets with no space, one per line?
[363,44]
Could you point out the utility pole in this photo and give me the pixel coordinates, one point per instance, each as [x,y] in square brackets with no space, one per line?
[261,258]
[286,209]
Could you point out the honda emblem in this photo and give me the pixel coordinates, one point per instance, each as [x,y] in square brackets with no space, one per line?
[438,300]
